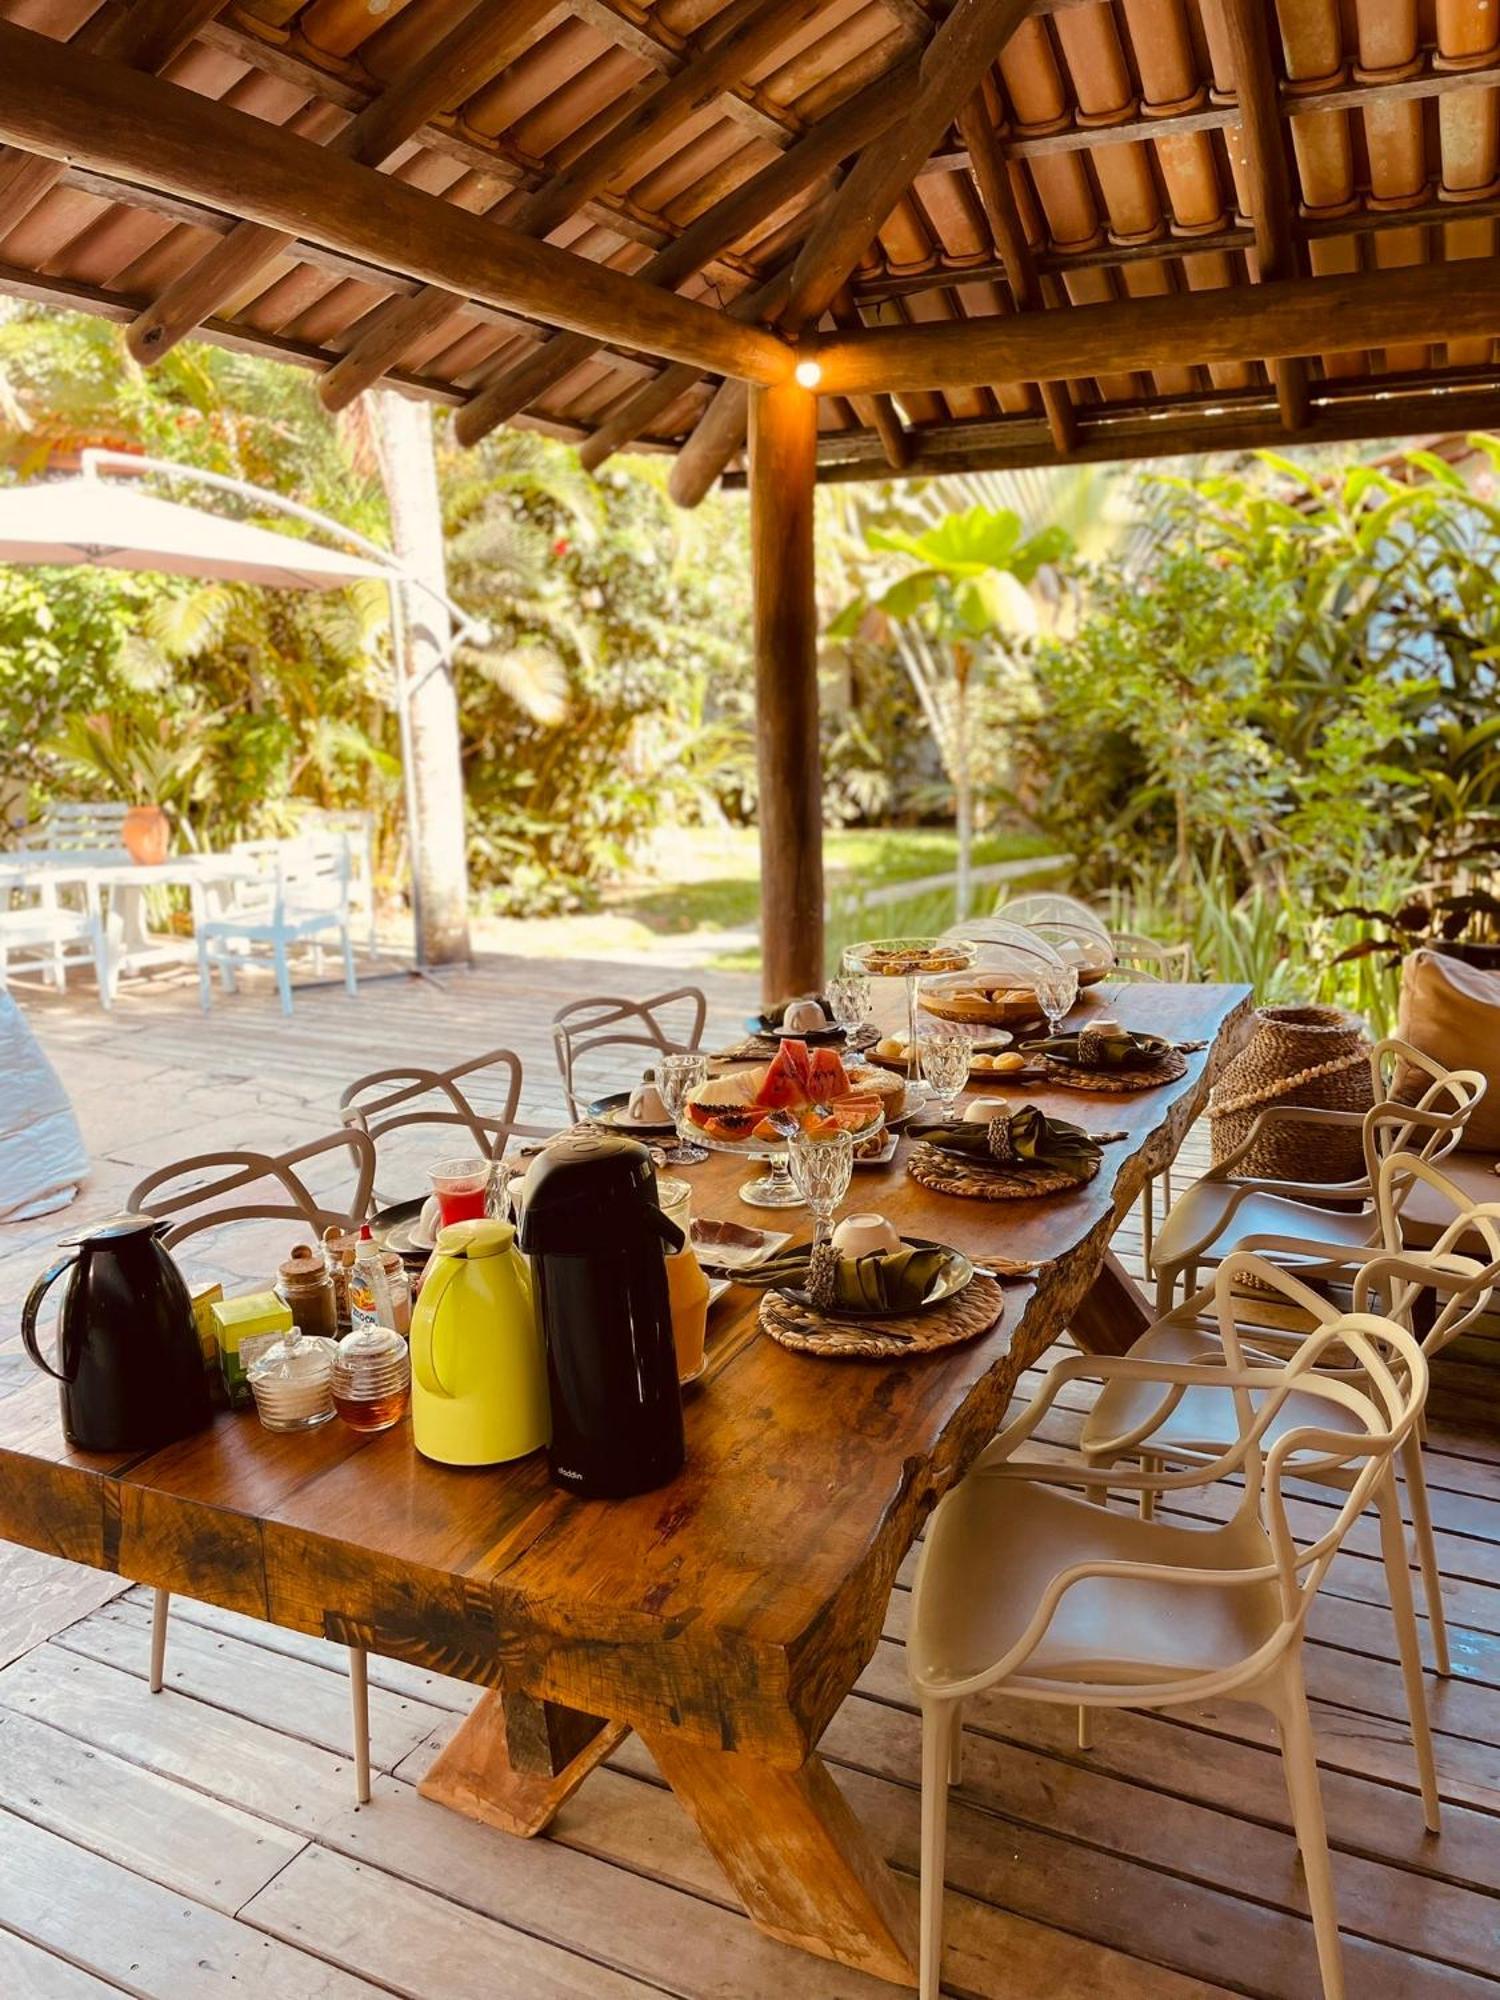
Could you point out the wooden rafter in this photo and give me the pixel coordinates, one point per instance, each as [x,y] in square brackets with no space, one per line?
[1266,171]
[878,411]
[56,101]
[146,38]
[1286,317]
[465,58]
[969,40]
[519,384]
[739,38]
[1007,232]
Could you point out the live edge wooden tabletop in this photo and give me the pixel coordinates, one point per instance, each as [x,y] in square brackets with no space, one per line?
[724,1617]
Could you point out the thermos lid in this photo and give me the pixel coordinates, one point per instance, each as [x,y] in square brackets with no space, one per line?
[592,1192]
[481,1236]
[116,1228]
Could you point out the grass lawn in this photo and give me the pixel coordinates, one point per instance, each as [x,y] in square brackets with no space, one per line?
[710,880]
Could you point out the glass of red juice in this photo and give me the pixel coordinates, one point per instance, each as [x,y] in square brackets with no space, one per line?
[462,1189]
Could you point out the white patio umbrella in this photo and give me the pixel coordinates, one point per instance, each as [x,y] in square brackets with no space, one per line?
[108,526]
[112,525]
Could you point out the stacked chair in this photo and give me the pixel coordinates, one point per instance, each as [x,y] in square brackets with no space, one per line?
[1034,1585]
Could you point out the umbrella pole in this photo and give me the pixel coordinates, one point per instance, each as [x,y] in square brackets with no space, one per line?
[408,770]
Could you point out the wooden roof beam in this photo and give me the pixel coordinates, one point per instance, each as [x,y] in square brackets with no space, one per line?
[878,411]
[736,41]
[69,106]
[1276,249]
[962,50]
[1007,233]
[1285,317]
[853,125]
[147,38]
[466,58]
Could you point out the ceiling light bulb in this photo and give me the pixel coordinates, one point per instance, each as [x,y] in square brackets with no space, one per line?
[809,373]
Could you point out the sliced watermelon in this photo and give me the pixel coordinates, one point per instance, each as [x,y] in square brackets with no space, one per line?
[785,1084]
[827,1077]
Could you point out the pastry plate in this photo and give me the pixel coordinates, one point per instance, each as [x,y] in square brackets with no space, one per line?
[399,1228]
[985,1041]
[882,1153]
[614,1113]
[953,1275]
[727,1247]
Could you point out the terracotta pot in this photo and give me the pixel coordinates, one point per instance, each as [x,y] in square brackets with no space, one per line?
[147,834]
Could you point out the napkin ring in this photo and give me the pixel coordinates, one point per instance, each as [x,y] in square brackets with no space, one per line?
[1093,1048]
[1002,1145]
[822,1270]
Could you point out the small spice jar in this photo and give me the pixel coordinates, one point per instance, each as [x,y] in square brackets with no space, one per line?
[292,1382]
[307,1287]
[398,1290]
[338,1255]
[372,1378]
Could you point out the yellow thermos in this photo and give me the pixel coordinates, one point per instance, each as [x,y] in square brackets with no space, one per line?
[479,1372]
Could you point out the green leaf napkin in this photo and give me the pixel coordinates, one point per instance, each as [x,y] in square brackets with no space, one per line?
[1026,1135]
[1106,1047]
[893,1281]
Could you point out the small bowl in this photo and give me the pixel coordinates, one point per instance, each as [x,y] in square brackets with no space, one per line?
[863,1235]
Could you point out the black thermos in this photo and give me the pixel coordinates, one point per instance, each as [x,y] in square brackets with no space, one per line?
[597,1241]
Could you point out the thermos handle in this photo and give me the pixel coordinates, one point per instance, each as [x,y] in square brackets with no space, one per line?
[28,1318]
[440,1276]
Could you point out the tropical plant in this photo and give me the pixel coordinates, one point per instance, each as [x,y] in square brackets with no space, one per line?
[958,614]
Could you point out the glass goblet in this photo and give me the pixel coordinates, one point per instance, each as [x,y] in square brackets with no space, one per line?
[1056,990]
[821,1164]
[849,995]
[945,1058]
[677,1076]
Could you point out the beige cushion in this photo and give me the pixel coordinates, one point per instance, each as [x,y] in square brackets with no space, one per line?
[1451,1012]
[1425,1214]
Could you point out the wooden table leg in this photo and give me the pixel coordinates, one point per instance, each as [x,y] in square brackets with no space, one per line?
[515,1760]
[1113,1313]
[798,1857]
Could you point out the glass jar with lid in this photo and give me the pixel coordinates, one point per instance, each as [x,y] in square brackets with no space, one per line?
[372,1378]
[306,1285]
[292,1382]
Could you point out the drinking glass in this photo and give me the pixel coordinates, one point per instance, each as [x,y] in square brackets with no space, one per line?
[462,1188]
[1056,990]
[945,1065]
[849,995]
[821,1165]
[676,1077]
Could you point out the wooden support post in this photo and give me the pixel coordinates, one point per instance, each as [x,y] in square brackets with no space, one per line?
[783,465]
[514,1761]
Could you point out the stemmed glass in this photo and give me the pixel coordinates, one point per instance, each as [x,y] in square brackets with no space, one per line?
[850,995]
[945,1057]
[677,1076]
[822,1163]
[1056,990]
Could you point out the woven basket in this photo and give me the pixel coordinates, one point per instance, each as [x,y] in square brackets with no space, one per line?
[1297,1055]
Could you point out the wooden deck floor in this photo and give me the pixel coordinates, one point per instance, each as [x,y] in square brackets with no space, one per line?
[203,1842]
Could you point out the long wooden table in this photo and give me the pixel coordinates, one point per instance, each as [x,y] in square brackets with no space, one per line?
[726,1617]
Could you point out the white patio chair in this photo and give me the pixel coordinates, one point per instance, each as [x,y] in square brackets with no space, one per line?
[606,1022]
[1459,1273]
[210,1191]
[85,826]
[1042,1594]
[1222,1207]
[41,932]
[1172,962]
[357,830]
[298,895]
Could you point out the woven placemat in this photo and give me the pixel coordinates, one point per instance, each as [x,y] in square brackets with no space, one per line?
[930,1168]
[761,1048]
[1069,1077]
[977,1308]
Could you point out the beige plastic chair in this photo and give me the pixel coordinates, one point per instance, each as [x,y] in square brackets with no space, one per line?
[1172,962]
[478,1096]
[607,1022]
[1223,1208]
[1031,1588]
[181,1195]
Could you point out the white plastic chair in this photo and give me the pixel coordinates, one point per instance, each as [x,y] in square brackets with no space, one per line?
[211,1191]
[42,933]
[607,1022]
[299,894]
[1171,962]
[1041,1592]
[1222,1207]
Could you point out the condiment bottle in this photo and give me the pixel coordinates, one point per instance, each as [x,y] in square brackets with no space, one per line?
[372,1378]
[292,1382]
[338,1255]
[398,1290]
[369,1291]
[307,1287]
[687,1288]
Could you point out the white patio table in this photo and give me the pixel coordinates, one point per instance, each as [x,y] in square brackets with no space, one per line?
[113,875]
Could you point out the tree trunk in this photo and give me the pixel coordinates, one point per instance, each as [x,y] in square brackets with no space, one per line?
[435,839]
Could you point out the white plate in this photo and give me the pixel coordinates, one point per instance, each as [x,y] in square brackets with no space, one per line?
[738,1253]
[884,1157]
